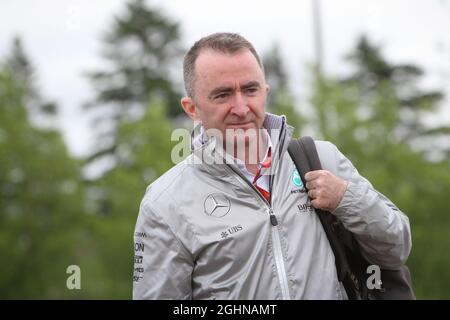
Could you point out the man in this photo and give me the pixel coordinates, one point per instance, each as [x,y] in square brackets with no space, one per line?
[237,224]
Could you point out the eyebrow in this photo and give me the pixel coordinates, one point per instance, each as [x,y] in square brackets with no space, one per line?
[218,90]
[224,89]
[251,84]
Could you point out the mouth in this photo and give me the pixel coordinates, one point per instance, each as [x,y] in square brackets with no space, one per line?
[244,125]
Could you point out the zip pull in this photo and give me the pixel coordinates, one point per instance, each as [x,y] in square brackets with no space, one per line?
[273,218]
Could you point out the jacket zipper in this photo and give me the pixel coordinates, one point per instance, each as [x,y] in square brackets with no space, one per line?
[275,234]
[278,254]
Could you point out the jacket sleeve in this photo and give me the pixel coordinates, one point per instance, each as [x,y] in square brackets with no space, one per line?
[162,265]
[381,229]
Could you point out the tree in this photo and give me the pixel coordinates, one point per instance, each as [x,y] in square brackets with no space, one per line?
[40,202]
[280,99]
[137,99]
[372,70]
[362,118]
[20,65]
[141,48]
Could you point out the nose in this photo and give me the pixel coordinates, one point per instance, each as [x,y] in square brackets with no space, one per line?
[239,107]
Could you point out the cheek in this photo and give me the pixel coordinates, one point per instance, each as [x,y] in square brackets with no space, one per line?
[220,111]
[258,106]
[214,116]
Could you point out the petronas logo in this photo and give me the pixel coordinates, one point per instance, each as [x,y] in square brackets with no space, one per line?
[296,179]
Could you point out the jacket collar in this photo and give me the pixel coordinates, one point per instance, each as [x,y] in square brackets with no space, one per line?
[212,157]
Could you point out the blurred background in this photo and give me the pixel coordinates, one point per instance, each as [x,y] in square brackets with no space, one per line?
[89,96]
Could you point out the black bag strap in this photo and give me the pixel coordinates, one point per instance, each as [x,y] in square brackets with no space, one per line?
[304,154]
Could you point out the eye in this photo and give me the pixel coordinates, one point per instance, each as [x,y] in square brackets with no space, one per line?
[252,90]
[221,96]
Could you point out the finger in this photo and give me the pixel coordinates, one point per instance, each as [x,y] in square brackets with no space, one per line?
[311,185]
[311,194]
[312,175]
[315,204]
[319,204]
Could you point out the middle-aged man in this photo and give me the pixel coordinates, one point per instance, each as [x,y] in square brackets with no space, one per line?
[237,224]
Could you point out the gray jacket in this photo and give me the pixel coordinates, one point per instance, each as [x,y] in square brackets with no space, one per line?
[204,232]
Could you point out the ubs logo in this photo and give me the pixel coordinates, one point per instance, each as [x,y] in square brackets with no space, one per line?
[217,205]
[230,231]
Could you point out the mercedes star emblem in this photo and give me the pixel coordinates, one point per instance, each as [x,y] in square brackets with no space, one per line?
[217,205]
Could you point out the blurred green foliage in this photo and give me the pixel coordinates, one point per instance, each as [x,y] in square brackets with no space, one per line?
[52,216]
[40,201]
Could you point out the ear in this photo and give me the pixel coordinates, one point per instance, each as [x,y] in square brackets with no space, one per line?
[267,88]
[190,108]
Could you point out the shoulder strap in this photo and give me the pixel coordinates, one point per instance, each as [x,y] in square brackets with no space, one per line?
[304,154]
[350,268]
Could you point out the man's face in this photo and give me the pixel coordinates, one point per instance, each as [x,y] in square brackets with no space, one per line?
[230,91]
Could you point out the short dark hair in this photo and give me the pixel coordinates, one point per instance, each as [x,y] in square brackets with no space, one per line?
[222,42]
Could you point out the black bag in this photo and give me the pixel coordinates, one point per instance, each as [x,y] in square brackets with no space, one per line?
[351,266]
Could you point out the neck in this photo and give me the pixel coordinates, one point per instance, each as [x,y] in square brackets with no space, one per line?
[253,151]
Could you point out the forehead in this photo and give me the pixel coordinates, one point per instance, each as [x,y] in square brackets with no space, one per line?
[213,66]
